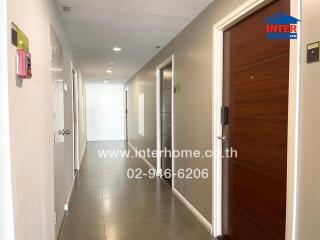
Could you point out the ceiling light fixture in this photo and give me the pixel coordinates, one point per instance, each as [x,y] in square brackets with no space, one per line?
[56,69]
[117,49]
[109,71]
[105,81]
[158,47]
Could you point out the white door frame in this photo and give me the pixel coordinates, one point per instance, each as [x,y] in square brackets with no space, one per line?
[158,107]
[6,199]
[75,126]
[234,17]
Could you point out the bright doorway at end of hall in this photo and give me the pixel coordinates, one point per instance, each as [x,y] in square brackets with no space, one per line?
[105,114]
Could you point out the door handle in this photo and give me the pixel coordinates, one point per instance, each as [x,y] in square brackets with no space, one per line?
[66,132]
[63,132]
[223,138]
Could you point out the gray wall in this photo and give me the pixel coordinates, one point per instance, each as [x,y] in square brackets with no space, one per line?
[193,106]
[309,192]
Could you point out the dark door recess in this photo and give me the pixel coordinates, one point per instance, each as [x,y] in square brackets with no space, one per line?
[166,113]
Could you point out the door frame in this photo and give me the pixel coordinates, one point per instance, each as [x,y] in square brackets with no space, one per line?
[169,60]
[233,18]
[75,125]
[126,115]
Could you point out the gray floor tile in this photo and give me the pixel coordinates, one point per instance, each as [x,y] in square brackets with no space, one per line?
[106,205]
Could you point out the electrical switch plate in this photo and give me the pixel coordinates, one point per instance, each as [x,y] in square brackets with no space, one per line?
[313,52]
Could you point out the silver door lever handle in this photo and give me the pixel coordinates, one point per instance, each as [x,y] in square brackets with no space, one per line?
[223,138]
[66,132]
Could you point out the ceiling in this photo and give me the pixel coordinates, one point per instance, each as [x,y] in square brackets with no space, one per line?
[137,26]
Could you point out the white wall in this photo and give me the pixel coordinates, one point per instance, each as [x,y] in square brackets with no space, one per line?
[6,206]
[31,125]
[105,112]
[31,121]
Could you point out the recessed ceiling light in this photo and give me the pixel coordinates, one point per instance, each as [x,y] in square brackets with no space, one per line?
[112,63]
[157,47]
[117,49]
[66,8]
[56,69]
[109,71]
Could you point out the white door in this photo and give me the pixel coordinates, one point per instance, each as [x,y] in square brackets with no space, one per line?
[57,75]
[76,163]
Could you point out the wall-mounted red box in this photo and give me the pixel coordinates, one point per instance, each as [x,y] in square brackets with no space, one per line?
[23,64]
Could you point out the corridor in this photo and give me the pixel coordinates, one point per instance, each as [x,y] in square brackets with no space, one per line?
[108,205]
[159,120]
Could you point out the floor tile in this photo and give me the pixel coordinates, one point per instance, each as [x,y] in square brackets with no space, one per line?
[106,205]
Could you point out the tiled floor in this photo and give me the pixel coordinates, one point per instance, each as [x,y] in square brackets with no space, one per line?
[108,205]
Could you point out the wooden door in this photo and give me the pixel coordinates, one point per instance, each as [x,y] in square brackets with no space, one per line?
[166,113]
[255,89]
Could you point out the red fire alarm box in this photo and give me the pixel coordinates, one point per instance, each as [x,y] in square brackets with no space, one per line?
[23,64]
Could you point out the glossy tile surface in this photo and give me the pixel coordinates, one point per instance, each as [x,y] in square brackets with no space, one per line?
[108,205]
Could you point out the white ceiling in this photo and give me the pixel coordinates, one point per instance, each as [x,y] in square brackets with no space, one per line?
[137,26]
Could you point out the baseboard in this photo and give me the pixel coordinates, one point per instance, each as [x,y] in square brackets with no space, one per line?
[82,154]
[204,222]
[142,157]
[67,204]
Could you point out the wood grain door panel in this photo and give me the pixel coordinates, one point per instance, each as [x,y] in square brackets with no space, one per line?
[250,34]
[246,228]
[254,150]
[260,201]
[255,88]
[261,92]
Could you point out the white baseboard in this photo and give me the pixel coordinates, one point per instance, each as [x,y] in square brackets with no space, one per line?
[66,205]
[142,157]
[204,222]
[82,154]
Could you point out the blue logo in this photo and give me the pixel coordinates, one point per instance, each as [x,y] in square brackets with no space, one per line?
[281,26]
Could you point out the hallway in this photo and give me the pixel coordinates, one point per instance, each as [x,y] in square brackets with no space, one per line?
[108,205]
[159,120]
